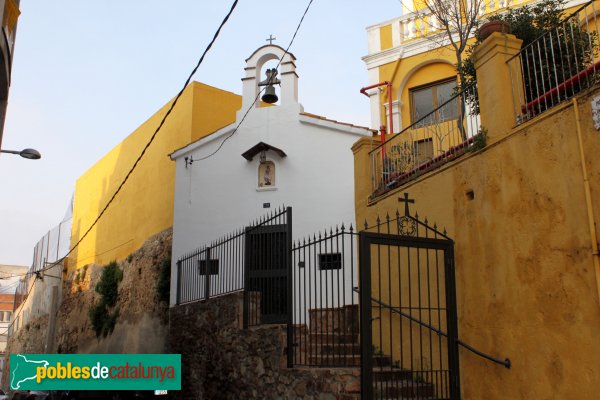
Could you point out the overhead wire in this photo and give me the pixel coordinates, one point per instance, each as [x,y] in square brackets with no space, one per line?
[21,310]
[143,152]
[286,52]
[160,125]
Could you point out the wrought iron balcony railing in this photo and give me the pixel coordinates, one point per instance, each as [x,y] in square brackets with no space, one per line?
[431,141]
[557,65]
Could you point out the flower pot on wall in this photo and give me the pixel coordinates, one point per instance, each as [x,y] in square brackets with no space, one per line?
[493,26]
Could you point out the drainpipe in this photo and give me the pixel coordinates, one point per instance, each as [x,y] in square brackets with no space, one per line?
[391,123]
[588,199]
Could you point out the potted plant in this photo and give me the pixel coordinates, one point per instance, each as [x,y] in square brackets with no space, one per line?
[493,26]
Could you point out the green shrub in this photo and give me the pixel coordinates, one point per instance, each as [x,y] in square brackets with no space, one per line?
[97,317]
[479,140]
[528,23]
[108,286]
[102,320]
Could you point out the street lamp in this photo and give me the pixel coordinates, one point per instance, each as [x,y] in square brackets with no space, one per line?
[30,154]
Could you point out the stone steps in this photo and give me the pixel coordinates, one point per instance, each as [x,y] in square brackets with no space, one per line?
[337,349]
[405,389]
[332,340]
[321,338]
[352,360]
[391,374]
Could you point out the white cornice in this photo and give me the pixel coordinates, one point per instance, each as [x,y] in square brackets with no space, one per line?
[384,23]
[405,50]
[383,57]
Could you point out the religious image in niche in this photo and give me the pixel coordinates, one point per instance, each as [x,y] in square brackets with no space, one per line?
[266,174]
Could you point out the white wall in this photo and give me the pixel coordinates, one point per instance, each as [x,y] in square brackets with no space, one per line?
[221,194]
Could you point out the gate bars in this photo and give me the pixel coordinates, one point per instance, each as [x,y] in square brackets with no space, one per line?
[247,259]
[408,302]
[399,325]
[325,309]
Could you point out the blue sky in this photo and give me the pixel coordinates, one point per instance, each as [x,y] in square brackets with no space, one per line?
[87,73]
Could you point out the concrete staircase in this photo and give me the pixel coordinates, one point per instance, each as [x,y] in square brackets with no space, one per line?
[332,341]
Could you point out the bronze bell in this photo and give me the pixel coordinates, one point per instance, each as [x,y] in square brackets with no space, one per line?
[269,95]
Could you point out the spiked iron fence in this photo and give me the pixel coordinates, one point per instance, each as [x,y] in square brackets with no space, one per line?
[558,65]
[254,259]
[325,313]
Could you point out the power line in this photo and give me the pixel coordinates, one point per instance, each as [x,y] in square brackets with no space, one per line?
[135,164]
[22,308]
[259,93]
[223,22]
[155,132]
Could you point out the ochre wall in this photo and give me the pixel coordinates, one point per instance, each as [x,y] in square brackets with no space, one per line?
[145,204]
[430,66]
[415,71]
[385,37]
[526,283]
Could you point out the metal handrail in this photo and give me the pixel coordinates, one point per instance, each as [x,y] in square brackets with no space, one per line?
[566,18]
[506,362]
[417,122]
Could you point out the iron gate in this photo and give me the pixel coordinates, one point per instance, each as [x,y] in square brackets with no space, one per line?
[408,321]
[267,271]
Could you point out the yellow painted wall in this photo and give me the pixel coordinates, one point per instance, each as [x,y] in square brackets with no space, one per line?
[385,37]
[415,71]
[526,283]
[433,65]
[144,206]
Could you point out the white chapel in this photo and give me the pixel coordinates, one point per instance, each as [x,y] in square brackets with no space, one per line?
[280,155]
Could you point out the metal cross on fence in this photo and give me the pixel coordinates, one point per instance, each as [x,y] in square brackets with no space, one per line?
[270,39]
[406,200]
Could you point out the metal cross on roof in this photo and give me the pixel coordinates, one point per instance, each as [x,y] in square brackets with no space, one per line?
[406,200]
[270,39]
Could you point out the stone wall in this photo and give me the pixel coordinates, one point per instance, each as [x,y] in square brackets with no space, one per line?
[141,325]
[221,360]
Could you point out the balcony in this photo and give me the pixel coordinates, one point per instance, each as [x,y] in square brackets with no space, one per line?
[558,65]
[418,24]
[444,134]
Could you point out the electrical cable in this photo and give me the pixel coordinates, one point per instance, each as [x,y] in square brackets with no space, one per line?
[259,93]
[135,164]
[21,310]
[160,125]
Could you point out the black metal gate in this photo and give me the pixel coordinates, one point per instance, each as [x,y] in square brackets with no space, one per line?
[267,271]
[409,335]
[255,259]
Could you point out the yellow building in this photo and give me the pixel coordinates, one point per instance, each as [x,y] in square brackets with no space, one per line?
[144,206]
[517,224]
[409,52]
